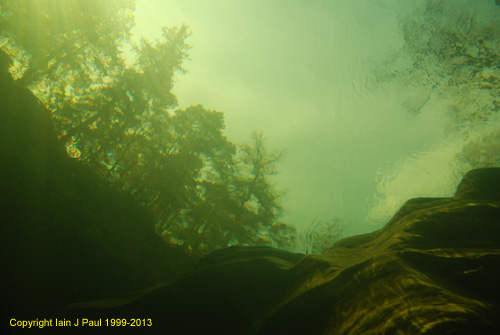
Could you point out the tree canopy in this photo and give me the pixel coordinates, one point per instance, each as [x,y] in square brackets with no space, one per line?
[452,52]
[123,121]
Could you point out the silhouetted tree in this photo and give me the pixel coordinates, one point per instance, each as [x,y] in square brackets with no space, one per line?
[120,119]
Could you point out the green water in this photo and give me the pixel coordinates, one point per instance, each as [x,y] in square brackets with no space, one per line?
[373,103]
[336,82]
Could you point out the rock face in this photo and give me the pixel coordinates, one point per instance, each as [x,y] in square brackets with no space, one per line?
[433,269]
[65,235]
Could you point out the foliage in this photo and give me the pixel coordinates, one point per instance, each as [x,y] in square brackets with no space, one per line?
[120,119]
[235,204]
[482,152]
[65,33]
[452,53]
[321,236]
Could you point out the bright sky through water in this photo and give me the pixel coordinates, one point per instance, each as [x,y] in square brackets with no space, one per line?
[303,72]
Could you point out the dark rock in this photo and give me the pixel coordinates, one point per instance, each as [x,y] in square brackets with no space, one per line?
[66,236]
[480,184]
[433,269]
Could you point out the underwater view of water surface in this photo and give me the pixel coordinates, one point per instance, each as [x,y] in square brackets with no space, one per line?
[237,167]
[376,102]
[283,123]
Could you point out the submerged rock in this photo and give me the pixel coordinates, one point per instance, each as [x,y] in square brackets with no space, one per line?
[66,235]
[433,269]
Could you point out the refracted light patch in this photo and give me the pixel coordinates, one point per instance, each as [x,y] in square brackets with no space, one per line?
[176,241]
[265,234]
[233,242]
[72,150]
[252,204]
